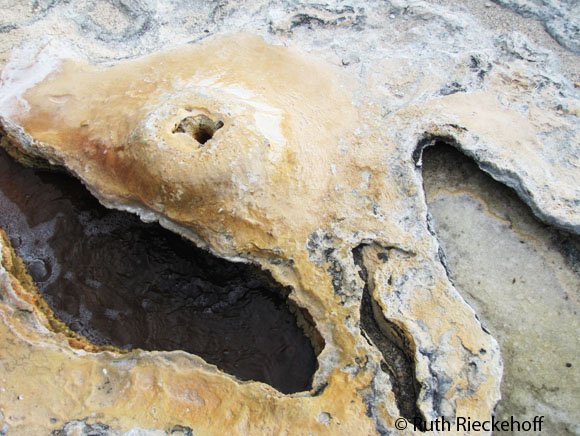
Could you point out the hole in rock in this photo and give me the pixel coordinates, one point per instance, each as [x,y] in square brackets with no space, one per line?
[521,276]
[199,127]
[119,281]
[391,341]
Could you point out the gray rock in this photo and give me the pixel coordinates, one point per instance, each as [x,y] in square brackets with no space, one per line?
[560,18]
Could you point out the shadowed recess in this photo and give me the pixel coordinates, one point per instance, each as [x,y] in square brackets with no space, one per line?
[121,282]
[397,362]
[521,276]
[199,127]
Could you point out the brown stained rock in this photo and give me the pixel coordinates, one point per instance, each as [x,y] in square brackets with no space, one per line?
[295,180]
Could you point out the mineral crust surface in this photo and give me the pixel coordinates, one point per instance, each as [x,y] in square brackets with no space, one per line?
[289,136]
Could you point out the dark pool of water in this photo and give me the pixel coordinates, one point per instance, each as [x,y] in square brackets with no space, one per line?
[119,281]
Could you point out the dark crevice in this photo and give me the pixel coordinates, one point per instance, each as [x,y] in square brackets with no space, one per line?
[199,127]
[430,140]
[118,281]
[398,360]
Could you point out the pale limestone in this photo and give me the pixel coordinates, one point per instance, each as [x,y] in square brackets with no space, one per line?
[324,147]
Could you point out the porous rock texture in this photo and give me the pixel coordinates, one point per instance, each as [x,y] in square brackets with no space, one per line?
[561,19]
[314,175]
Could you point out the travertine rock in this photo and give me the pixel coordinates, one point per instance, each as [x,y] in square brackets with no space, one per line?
[270,186]
[522,278]
[316,161]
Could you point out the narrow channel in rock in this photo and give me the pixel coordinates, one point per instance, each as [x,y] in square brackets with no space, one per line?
[119,281]
[398,361]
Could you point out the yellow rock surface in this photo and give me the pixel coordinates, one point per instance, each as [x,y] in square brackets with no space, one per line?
[298,163]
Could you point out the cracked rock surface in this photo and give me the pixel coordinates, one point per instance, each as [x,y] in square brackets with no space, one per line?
[288,135]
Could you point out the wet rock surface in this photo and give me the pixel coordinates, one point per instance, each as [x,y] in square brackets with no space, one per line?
[118,281]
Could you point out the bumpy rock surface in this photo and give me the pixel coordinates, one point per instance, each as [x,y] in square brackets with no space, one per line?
[560,18]
[297,149]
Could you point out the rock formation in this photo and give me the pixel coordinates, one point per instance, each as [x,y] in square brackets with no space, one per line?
[520,276]
[294,143]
